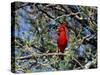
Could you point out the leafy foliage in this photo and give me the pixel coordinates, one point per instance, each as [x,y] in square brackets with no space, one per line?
[35,33]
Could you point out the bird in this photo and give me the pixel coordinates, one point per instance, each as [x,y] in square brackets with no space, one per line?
[62,38]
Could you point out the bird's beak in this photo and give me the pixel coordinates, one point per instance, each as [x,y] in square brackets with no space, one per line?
[57,30]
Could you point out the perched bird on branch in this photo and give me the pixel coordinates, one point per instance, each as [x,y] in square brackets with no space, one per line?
[62,38]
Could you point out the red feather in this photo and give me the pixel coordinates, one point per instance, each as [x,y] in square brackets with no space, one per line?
[62,39]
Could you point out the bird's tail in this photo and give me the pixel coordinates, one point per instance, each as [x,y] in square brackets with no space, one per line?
[61,56]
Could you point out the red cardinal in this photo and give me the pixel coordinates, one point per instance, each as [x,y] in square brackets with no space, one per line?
[62,39]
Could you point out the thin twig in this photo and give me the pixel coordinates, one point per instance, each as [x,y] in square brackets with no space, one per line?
[38,55]
[22,5]
[44,12]
[67,15]
[78,62]
[24,57]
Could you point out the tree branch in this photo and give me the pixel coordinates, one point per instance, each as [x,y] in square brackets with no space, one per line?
[38,55]
[44,12]
[17,6]
[71,14]
[78,62]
